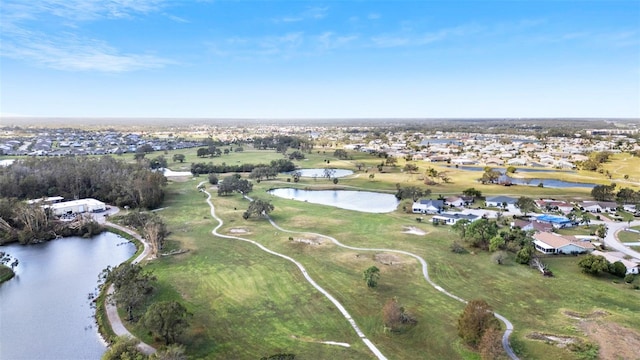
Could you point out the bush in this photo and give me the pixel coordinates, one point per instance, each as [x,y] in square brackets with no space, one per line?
[629,278]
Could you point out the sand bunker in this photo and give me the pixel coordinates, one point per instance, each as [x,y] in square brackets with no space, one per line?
[413,230]
[239,231]
[310,241]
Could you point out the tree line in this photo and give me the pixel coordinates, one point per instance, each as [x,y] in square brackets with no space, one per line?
[280,165]
[105,178]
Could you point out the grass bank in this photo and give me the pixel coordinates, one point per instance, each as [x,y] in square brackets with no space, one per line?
[248,304]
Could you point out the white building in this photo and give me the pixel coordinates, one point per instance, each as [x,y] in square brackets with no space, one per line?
[77,207]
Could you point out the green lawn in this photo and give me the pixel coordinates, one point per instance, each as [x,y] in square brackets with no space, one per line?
[248,304]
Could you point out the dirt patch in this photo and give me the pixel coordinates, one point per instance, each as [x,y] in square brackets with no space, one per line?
[413,230]
[387,259]
[239,231]
[592,315]
[310,241]
[557,340]
[615,341]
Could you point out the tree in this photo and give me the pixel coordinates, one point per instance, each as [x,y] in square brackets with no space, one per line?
[411,192]
[158,162]
[124,348]
[524,255]
[480,232]
[601,231]
[511,170]
[617,269]
[461,227]
[341,154]
[371,276]
[475,320]
[391,161]
[132,284]
[410,168]
[179,158]
[168,319]
[213,179]
[603,192]
[496,243]
[525,204]
[258,207]
[490,176]
[154,231]
[360,165]
[593,264]
[395,316]
[490,345]
[472,192]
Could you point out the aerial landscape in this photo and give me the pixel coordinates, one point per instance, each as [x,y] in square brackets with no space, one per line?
[319,180]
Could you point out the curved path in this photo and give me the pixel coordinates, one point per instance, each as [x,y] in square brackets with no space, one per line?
[335,302]
[110,306]
[425,272]
[508,325]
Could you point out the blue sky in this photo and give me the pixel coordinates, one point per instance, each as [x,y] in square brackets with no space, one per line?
[307,59]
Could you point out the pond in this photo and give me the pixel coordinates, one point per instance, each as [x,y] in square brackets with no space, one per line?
[518,170]
[364,201]
[322,173]
[551,183]
[45,310]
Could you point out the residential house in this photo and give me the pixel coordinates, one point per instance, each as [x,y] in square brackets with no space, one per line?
[599,206]
[557,221]
[458,201]
[613,256]
[551,243]
[500,201]
[548,205]
[449,218]
[531,225]
[428,206]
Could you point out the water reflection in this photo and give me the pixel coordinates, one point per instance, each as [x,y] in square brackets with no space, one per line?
[45,311]
[364,201]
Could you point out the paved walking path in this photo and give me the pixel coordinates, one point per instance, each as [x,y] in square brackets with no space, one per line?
[508,325]
[110,306]
[335,302]
[425,272]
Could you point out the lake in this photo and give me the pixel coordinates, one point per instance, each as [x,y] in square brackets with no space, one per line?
[518,170]
[364,201]
[320,173]
[45,310]
[550,183]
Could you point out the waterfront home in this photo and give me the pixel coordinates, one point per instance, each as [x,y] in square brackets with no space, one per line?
[428,206]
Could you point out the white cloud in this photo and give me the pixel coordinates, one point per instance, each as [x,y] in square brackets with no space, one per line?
[314,13]
[66,50]
[71,53]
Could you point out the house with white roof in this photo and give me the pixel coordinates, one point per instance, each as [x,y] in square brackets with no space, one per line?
[427,206]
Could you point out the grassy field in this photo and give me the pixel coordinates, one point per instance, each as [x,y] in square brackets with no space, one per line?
[248,304]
